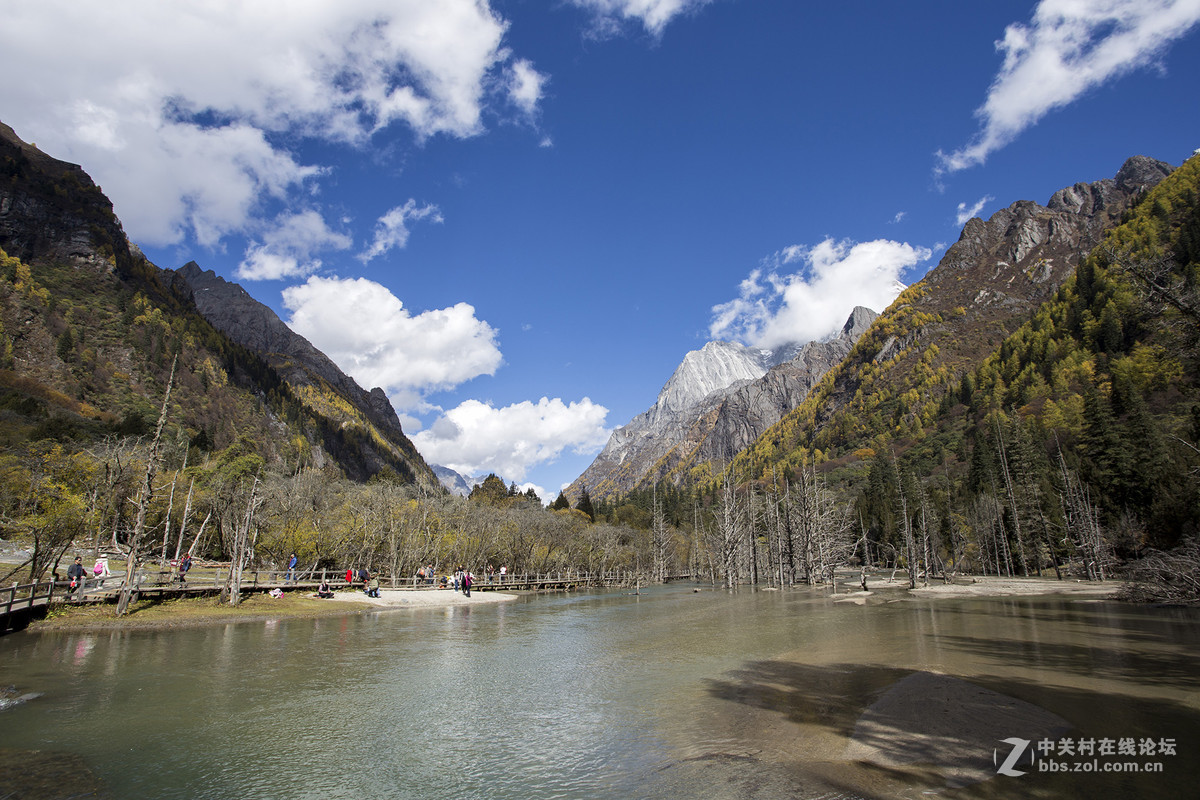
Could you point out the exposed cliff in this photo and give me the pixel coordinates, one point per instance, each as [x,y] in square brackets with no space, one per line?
[232,310]
[90,329]
[987,284]
[718,401]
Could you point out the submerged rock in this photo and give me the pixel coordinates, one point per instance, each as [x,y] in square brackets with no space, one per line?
[947,725]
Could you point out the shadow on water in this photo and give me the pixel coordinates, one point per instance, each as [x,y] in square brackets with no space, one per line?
[948,745]
[1094,660]
[1152,620]
[38,775]
[831,696]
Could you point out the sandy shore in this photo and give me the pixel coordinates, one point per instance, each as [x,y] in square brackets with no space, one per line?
[255,607]
[422,598]
[260,606]
[988,586]
[882,589]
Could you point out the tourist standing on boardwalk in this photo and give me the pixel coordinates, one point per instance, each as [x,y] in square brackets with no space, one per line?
[291,576]
[466,583]
[75,574]
[100,571]
[185,564]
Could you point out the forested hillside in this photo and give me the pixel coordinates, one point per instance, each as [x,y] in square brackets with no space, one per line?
[1073,440]
[131,426]
[1031,407]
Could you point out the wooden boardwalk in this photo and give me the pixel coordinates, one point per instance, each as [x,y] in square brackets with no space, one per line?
[19,603]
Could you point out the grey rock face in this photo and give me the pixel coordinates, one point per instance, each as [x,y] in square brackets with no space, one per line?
[986,284]
[454,482]
[231,310]
[58,223]
[1027,242]
[719,400]
[747,412]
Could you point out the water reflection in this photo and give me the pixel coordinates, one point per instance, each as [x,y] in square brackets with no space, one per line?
[666,694]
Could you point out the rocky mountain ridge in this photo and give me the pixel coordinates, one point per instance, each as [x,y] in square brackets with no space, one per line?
[232,310]
[717,402]
[986,284]
[91,328]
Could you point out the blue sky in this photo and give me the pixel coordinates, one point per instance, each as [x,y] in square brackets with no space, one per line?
[518,216]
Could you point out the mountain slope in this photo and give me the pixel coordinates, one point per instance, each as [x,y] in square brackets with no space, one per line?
[322,385]
[717,402]
[89,329]
[983,289]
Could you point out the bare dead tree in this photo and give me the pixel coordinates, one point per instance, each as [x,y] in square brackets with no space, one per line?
[187,510]
[910,546]
[1160,282]
[1015,507]
[1170,577]
[730,529]
[243,549]
[1082,520]
[660,539]
[142,502]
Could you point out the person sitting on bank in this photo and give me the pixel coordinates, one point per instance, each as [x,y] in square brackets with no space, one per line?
[323,590]
[373,589]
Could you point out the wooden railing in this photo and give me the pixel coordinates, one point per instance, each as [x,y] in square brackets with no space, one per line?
[23,597]
[165,583]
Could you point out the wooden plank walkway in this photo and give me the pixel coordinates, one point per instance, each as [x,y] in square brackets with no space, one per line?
[19,603]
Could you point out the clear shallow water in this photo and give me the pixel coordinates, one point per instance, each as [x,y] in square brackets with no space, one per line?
[666,694]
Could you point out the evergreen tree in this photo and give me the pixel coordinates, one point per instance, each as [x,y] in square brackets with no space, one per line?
[560,502]
[585,504]
[66,346]
[492,491]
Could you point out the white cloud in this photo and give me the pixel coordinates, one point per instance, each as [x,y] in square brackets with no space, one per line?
[525,86]
[392,228]
[286,249]
[773,309]
[407,355]
[476,438]
[180,110]
[1069,47]
[652,14]
[965,213]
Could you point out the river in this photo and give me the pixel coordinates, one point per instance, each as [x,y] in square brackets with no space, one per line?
[670,693]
